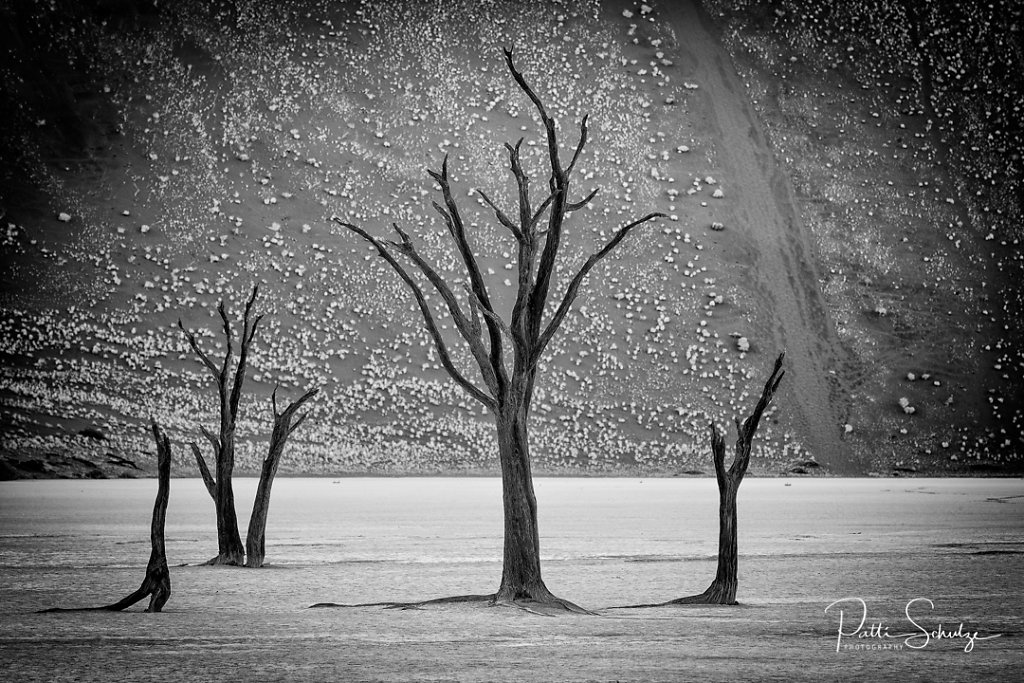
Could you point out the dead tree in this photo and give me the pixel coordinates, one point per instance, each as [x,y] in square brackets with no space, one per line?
[229,542]
[722,590]
[283,428]
[157,583]
[507,387]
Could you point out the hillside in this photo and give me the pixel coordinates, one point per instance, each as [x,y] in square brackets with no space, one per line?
[158,161]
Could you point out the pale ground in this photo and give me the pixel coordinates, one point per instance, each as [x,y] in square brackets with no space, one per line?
[246,625]
[804,545]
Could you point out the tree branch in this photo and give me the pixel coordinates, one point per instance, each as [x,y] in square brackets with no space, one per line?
[579,145]
[214,441]
[502,218]
[428,317]
[194,343]
[583,202]
[285,417]
[298,423]
[457,228]
[540,209]
[574,284]
[204,471]
[469,331]
[227,342]
[294,405]
[718,455]
[525,87]
[745,430]
[522,184]
[249,326]
[559,187]
[491,315]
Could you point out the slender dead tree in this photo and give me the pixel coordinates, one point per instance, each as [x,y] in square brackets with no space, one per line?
[157,583]
[722,590]
[229,542]
[283,427]
[507,388]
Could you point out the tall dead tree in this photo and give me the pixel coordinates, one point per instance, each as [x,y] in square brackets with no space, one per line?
[157,582]
[722,590]
[229,379]
[507,387]
[255,541]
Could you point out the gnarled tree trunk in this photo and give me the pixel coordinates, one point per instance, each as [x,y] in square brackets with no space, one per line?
[506,392]
[255,542]
[520,576]
[157,582]
[229,541]
[230,550]
[722,590]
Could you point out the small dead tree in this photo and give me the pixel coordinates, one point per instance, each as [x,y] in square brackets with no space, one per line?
[507,390]
[283,427]
[157,583]
[722,590]
[230,550]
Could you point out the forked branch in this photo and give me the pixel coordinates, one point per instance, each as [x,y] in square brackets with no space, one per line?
[204,470]
[249,325]
[428,316]
[465,325]
[745,430]
[574,285]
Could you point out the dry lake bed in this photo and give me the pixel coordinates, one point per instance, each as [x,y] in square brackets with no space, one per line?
[931,567]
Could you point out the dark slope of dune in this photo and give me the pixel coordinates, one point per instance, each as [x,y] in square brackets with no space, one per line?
[158,160]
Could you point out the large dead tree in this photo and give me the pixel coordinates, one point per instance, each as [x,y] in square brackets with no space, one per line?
[229,378]
[505,387]
[255,541]
[722,590]
[157,582]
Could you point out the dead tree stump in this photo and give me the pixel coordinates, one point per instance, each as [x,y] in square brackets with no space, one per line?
[283,427]
[157,583]
[229,391]
[722,590]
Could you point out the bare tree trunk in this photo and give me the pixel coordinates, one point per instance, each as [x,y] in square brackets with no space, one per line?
[722,590]
[528,330]
[230,550]
[520,577]
[255,542]
[157,582]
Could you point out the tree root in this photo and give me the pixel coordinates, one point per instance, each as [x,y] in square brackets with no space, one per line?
[453,599]
[158,588]
[224,561]
[548,607]
[157,582]
[702,600]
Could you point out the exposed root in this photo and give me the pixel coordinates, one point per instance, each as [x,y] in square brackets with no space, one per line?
[453,599]
[704,599]
[157,588]
[539,597]
[157,582]
[224,561]
[549,607]
[520,606]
